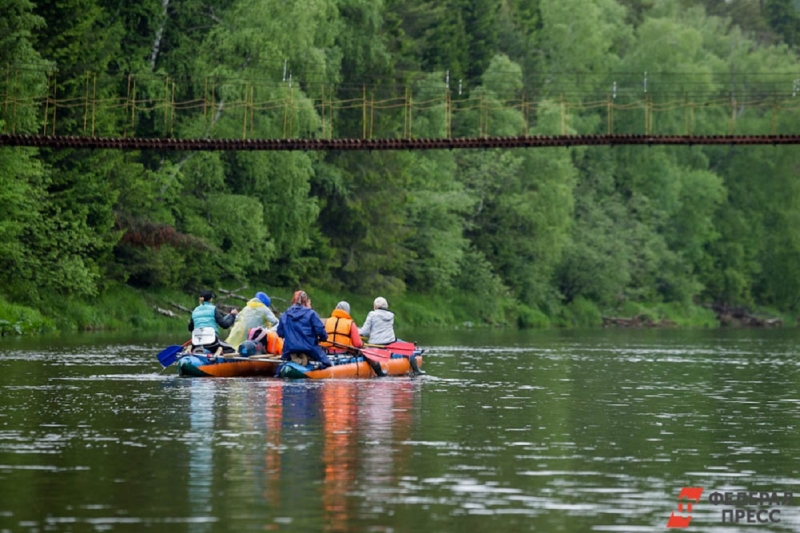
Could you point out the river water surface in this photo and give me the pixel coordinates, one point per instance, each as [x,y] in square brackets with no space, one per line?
[508,431]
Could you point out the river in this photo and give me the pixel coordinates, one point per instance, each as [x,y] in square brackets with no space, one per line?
[556,431]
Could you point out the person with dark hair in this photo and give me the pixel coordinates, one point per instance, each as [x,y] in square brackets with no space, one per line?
[342,330]
[255,314]
[206,315]
[302,331]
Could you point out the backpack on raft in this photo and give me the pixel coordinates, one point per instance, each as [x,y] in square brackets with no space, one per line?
[260,341]
[204,337]
[205,340]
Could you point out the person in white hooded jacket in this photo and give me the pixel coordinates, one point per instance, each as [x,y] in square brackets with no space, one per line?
[379,325]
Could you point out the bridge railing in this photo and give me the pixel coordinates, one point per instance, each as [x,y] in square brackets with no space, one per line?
[252,110]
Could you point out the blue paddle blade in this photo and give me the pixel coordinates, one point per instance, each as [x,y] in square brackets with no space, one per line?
[169,355]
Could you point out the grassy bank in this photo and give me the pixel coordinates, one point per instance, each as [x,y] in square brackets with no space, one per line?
[121,307]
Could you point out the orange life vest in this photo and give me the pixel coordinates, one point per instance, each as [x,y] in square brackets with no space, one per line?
[338,327]
[274,343]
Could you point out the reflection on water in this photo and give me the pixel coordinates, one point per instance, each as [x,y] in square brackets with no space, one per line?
[559,431]
[339,454]
[270,453]
[201,464]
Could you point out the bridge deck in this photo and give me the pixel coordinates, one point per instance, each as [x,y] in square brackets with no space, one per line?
[133,143]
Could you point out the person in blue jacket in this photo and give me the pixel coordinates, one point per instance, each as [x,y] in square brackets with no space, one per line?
[302,331]
[206,315]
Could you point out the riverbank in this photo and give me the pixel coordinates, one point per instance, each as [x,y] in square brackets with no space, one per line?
[122,307]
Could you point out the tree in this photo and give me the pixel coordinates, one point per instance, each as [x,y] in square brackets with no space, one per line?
[480,26]
[364,218]
[783,16]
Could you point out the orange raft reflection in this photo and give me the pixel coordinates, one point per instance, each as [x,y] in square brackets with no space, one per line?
[353,416]
[351,472]
[340,424]
[327,452]
[272,459]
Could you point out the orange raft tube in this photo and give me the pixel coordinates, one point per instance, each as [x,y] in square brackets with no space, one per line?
[201,366]
[192,365]
[357,367]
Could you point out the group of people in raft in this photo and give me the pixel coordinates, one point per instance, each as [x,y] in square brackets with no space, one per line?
[300,334]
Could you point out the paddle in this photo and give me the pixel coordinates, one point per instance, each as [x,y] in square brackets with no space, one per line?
[398,347]
[169,355]
[378,355]
[406,349]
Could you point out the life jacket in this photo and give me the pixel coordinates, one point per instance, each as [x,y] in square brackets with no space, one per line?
[338,328]
[204,316]
[267,339]
[274,343]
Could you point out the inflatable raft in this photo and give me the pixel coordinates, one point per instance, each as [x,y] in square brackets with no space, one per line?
[344,366]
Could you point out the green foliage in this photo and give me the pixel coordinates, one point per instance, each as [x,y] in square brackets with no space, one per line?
[783,16]
[436,207]
[688,315]
[519,24]
[581,313]
[121,307]
[367,222]
[20,199]
[753,16]
[17,27]
[522,212]
[534,237]
[669,314]
[529,318]
[585,36]
[158,267]
[477,287]
[22,320]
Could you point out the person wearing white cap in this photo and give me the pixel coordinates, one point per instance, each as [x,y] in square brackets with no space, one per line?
[379,325]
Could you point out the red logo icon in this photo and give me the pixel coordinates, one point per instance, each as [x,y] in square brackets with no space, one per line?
[692,495]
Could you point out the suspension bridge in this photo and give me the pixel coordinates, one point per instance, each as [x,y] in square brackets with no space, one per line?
[536,141]
[146,114]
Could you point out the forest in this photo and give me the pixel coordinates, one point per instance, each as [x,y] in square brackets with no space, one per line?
[530,237]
